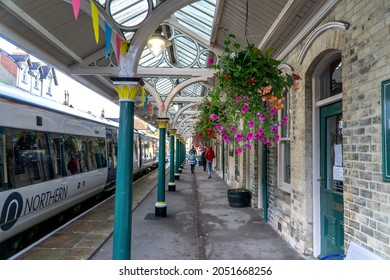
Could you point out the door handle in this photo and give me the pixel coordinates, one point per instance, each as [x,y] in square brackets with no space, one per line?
[321,180]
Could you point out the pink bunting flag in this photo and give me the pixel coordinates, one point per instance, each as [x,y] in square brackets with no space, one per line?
[76,8]
[118,41]
[163,107]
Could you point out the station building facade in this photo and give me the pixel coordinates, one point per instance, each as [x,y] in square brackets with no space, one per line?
[325,184]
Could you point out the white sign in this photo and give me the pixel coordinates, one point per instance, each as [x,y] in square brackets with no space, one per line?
[337,173]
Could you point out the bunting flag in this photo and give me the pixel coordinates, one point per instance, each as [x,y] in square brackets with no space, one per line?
[146,102]
[163,107]
[108,30]
[151,111]
[76,8]
[95,20]
[143,97]
[124,45]
[118,40]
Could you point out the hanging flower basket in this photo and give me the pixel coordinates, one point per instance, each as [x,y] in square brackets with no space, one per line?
[249,91]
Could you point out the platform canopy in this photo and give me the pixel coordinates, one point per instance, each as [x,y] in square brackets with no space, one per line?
[86,47]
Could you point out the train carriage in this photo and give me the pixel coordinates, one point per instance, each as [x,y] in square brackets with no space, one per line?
[53,157]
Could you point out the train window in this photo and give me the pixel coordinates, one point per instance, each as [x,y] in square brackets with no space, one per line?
[83,155]
[103,152]
[57,150]
[71,155]
[32,160]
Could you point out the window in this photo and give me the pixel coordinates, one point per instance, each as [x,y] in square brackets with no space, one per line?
[24,75]
[284,156]
[28,157]
[331,79]
[36,82]
[49,93]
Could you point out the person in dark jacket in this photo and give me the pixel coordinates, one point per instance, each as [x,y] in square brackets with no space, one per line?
[203,159]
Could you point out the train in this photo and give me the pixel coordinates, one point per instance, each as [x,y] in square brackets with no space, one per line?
[53,157]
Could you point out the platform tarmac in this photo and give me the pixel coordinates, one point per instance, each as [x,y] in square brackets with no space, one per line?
[200,225]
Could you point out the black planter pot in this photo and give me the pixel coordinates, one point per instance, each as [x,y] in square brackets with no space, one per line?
[238,199]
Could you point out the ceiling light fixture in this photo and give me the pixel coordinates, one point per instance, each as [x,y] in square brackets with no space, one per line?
[157,43]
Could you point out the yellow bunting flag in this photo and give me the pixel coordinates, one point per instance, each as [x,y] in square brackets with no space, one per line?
[95,20]
[76,8]
[151,111]
[143,97]
[124,45]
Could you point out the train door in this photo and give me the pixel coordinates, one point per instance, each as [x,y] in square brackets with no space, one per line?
[111,136]
[3,161]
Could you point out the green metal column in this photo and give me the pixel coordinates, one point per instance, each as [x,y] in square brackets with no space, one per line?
[127,89]
[178,159]
[172,183]
[161,205]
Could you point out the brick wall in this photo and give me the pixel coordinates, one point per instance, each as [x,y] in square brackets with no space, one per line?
[365,56]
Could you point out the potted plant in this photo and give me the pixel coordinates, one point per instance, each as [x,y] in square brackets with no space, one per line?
[239,197]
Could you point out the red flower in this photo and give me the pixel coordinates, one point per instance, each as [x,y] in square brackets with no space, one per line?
[226,77]
[251,81]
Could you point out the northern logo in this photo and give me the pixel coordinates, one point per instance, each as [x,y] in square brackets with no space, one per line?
[11,211]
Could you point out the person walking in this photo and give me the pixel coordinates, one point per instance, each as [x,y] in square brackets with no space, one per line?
[203,159]
[192,159]
[209,158]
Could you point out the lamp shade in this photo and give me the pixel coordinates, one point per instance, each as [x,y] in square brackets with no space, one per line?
[157,43]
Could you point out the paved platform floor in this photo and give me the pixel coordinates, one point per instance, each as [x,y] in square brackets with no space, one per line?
[200,225]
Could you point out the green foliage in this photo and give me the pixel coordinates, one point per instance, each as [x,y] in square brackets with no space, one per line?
[249,91]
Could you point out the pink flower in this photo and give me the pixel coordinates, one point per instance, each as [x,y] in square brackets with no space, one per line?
[262,117]
[249,136]
[238,137]
[234,129]
[260,132]
[210,61]
[239,150]
[267,142]
[251,124]
[276,138]
[246,100]
[274,128]
[238,99]
[273,111]
[285,119]
[245,109]
[249,146]
[225,138]
[218,126]
[213,117]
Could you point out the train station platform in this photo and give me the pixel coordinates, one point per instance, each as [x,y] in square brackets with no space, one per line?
[199,225]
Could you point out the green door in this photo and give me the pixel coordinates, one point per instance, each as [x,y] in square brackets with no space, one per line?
[331,171]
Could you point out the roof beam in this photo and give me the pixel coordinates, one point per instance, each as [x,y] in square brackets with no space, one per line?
[29,21]
[286,15]
[174,72]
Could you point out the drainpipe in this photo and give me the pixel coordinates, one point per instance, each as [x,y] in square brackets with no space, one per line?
[223,160]
[264,183]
